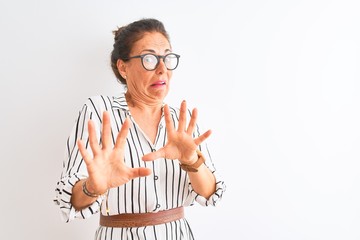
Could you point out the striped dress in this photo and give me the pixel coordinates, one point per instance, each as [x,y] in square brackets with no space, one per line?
[167,187]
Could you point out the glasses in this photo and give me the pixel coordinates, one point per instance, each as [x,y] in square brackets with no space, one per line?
[151,61]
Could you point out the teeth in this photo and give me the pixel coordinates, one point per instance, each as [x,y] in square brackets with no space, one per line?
[159,83]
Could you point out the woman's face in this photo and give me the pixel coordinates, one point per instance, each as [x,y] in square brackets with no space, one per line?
[149,87]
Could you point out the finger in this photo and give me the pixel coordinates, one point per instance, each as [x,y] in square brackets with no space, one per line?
[94,144]
[154,155]
[122,135]
[84,153]
[140,172]
[168,121]
[106,131]
[202,137]
[192,122]
[182,117]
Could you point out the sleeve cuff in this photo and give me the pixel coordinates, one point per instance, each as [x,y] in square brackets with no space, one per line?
[63,197]
[214,198]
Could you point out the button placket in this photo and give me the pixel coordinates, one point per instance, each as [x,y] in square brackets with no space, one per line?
[158,163]
[156,172]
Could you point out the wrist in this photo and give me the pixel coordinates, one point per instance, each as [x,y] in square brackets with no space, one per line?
[191,160]
[87,192]
[198,161]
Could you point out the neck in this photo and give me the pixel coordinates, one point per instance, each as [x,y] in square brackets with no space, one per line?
[138,104]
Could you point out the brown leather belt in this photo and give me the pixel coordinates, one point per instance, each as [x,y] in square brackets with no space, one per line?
[142,219]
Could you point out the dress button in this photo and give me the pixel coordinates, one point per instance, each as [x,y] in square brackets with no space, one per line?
[157,205]
[156,177]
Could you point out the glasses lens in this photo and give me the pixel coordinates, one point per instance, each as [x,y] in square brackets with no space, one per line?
[149,61]
[171,61]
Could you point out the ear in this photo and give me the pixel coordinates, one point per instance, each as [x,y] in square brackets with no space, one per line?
[121,66]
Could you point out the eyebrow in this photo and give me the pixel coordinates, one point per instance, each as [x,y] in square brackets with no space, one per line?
[153,51]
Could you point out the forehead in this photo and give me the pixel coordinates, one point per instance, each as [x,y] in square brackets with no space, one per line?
[151,41]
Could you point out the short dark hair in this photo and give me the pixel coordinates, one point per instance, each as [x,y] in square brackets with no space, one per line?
[126,36]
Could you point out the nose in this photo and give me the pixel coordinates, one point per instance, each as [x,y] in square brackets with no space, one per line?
[161,67]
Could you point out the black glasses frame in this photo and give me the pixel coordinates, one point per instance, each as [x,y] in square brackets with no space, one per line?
[158,57]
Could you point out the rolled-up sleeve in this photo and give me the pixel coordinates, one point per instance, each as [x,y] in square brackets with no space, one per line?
[220,186]
[63,197]
[214,198]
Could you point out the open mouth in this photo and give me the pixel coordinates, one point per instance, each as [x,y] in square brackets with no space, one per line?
[159,83]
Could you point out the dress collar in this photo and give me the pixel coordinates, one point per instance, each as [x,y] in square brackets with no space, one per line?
[120,102]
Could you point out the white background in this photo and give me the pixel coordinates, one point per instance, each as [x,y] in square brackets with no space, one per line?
[276,81]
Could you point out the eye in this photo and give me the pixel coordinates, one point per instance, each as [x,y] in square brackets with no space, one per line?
[149,59]
[171,60]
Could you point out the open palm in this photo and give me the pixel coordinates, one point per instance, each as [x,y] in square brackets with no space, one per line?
[106,167]
[180,145]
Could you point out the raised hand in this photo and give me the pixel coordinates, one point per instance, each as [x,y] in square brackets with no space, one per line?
[180,145]
[106,168]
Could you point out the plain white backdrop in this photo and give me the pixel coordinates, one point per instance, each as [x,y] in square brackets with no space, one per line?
[278,82]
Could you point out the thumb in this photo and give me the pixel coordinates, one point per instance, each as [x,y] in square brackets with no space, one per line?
[140,172]
[154,155]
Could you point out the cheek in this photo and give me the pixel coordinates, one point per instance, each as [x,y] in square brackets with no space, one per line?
[139,73]
[142,77]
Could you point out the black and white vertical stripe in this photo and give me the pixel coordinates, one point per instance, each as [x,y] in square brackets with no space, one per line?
[167,187]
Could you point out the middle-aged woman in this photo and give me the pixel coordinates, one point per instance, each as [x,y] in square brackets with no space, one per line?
[133,158]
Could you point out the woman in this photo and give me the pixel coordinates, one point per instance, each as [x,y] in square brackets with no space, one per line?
[134,158]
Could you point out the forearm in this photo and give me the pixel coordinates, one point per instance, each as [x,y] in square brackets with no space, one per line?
[79,199]
[203,181]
